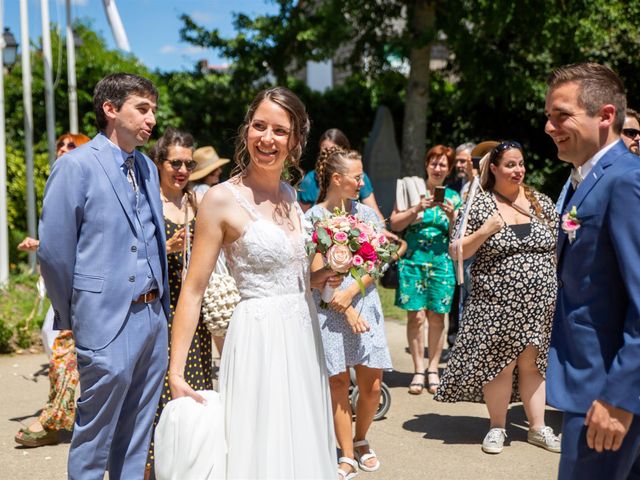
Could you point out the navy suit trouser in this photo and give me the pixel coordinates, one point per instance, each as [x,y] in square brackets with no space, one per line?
[579,462]
[120,387]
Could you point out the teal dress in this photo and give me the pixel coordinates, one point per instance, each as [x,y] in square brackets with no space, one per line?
[426,274]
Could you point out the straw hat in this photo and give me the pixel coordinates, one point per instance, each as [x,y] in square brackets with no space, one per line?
[208,161]
[483,148]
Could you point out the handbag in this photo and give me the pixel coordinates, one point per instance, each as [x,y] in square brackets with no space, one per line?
[390,278]
[220,299]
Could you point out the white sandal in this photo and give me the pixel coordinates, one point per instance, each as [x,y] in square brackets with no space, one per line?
[347,475]
[367,456]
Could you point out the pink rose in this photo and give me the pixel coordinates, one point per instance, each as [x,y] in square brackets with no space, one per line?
[357,260]
[382,239]
[367,252]
[339,258]
[362,237]
[341,238]
[314,237]
[369,266]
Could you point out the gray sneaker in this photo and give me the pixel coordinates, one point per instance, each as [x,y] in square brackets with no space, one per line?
[494,440]
[544,438]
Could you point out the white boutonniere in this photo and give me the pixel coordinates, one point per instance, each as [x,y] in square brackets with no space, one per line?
[571,223]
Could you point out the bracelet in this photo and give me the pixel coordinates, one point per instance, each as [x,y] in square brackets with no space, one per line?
[176,374]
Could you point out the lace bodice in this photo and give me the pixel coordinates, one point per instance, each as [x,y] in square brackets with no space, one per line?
[265,261]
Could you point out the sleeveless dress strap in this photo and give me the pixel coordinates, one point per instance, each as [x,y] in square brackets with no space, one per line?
[242,201]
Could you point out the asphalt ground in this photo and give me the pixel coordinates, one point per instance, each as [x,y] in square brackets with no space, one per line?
[418,439]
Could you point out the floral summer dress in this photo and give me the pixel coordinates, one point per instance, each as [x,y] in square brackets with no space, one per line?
[511,304]
[342,347]
[426,274]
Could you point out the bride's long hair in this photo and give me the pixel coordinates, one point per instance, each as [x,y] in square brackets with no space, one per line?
[300,126]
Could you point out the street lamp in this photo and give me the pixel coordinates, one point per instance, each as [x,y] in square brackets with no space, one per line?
[10,51]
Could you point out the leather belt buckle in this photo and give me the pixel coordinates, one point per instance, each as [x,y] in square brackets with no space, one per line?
[147,297]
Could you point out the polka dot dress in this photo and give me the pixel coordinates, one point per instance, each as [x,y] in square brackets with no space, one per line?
[198,371]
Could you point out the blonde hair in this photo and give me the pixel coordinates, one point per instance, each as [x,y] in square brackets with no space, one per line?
[332,160]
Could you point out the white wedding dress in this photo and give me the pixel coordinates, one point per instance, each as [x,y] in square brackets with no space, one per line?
[273,379]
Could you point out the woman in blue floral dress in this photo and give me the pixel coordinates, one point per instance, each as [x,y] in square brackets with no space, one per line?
[426,273]
[357,340]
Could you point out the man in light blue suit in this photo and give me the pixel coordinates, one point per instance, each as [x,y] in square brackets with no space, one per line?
[102,256]
[594,360]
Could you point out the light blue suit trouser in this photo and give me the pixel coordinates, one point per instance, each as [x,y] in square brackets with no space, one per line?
[120,387]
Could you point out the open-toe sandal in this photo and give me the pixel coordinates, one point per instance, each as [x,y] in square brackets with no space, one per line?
[416,388]
[432,387]
[347,475]
[362,459]
[27,438]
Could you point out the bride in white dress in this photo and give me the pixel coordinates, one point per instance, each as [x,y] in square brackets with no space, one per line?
[273,380]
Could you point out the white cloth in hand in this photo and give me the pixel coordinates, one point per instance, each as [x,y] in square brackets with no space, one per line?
[189,439]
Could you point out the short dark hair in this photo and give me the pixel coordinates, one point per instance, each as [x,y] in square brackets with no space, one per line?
[599,85]
[337,137]
[116,88]
[630,112]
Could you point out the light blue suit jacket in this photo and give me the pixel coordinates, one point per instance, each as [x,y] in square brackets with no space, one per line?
[87,240]
[595,342]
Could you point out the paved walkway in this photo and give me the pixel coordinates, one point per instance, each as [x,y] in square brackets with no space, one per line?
[419,438]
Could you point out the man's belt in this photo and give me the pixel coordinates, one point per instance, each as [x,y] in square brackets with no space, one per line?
[147,297]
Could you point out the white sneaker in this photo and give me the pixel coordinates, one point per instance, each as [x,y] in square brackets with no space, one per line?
[544,438]
[494,440]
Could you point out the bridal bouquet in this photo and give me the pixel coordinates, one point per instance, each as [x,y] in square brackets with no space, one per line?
[350,245]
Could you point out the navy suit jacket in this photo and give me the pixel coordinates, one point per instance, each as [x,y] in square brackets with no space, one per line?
[87,237]
[595,342]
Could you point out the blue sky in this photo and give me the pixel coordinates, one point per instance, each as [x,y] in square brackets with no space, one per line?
[152,26]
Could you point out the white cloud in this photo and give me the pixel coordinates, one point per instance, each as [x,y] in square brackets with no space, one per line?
[202,17]
[166,49]
[192,50]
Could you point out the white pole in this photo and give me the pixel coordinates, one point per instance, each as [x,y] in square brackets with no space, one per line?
[4,230]
[48,81]
[113,16]
[71,74]
[28,126]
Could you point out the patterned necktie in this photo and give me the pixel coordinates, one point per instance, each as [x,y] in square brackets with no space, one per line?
[131,174]
[576,178]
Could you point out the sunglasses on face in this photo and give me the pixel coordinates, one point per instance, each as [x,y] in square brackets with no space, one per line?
[190,165]
[69,145]
[630,132]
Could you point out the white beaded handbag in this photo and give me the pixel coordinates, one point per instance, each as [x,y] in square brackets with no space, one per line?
[220,299]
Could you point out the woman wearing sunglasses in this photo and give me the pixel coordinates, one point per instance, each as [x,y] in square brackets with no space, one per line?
[173,155]
[500,354]
[631,131]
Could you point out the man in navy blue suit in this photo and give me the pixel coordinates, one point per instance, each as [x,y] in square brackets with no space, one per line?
[102,256]
[594,360]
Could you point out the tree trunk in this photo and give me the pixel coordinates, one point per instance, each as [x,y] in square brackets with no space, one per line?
[414,128]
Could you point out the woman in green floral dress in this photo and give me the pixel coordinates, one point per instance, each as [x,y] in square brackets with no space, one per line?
[426,274]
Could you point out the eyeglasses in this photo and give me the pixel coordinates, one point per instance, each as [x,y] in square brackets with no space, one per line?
[190,165]
[357,178]
[630,132]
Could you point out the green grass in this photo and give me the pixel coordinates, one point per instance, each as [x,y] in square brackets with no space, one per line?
[19,322]
[387,297]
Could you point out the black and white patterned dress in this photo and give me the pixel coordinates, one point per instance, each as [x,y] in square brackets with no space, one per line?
[511,303]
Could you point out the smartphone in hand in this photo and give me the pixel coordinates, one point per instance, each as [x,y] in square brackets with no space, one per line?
[438,195]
